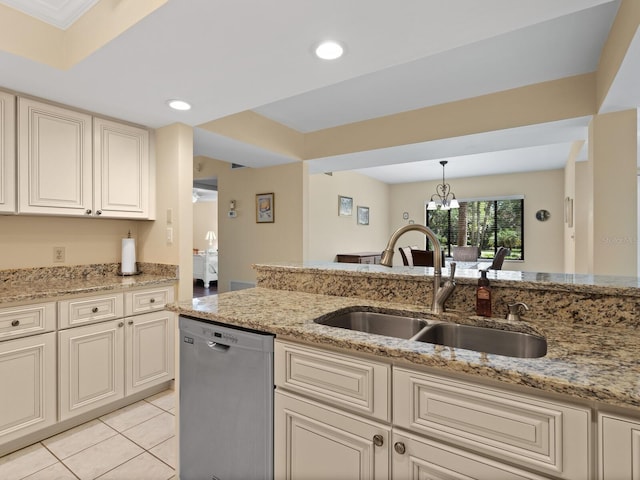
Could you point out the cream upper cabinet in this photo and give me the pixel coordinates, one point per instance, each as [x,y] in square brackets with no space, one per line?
[28,373]
[7,153]
[72,164]
[121,170]
[54,160]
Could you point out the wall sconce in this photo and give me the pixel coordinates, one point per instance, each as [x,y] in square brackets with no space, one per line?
[232,209]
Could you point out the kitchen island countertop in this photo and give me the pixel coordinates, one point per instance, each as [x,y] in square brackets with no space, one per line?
[587,362]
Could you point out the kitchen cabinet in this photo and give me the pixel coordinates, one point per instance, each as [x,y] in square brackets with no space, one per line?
[149,351]
[7,153]
[441,427]
[91,364]
[28,372]
[121,170]
[416,458]
[315,441]
[72,164]
[548,436]
[618,447]
[102,362]
[54,160]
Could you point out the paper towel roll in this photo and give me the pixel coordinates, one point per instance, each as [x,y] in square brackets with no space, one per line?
[128,256]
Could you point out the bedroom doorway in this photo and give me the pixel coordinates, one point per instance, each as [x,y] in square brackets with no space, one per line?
[205,236]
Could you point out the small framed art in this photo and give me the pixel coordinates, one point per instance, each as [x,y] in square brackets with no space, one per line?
[345,206]
[265,208]
[363,215]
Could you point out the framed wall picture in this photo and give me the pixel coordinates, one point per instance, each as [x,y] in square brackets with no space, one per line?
[363,215]
[345,206]
[265,208]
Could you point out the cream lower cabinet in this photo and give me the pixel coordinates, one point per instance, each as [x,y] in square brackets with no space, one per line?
[149,352]
[416,458]
[91,363]
[104,362]
[28,380]
[313,441]
[332,421]
[619,447]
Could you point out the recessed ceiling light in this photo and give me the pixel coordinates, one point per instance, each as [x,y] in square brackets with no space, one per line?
[178,105]
[329,50]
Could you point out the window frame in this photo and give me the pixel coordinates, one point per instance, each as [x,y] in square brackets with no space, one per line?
[495,199]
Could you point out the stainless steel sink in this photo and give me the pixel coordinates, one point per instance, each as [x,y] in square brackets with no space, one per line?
[479,339]
[482,339]
[390,325]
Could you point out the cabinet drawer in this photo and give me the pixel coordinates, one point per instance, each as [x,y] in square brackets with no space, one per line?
[546,435]
[352,383]
[82,311]
[27,320]
[143,301]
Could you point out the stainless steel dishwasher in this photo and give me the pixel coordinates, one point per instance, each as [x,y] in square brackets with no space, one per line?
[226,402]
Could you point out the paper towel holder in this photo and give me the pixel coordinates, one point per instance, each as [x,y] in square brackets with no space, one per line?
[135,271]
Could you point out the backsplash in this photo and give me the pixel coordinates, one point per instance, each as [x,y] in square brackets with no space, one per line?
[590,301]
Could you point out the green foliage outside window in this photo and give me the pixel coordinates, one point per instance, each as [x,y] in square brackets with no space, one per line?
[487,224]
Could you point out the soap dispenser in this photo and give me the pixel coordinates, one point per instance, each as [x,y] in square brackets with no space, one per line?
[483,295]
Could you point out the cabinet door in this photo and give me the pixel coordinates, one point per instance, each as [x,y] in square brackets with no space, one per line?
[91,367]
[7,153]
[54,160]
[121,175]
[418,458]
[313,441]
[28,394]
[619,447]
[150,350]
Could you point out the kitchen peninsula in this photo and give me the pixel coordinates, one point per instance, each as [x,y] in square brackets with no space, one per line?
[590,375]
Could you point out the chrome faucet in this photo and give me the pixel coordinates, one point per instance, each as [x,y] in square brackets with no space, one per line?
[441,292]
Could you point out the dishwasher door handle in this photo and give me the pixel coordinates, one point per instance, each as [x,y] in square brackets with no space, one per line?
[217,346]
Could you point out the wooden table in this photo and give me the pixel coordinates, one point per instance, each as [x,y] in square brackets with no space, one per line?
[359,257]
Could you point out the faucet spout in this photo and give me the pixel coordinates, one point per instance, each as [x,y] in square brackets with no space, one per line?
[440,293]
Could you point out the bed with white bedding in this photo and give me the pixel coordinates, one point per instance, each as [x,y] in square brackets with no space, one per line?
[205,267]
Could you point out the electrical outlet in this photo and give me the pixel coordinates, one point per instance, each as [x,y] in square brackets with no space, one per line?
[58,255]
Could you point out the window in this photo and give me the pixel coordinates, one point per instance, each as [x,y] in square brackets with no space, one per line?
[486,223]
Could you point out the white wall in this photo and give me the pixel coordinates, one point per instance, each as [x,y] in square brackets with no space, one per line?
[329,233]
[543,241]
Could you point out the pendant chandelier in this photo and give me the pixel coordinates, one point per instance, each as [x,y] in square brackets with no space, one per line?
[444,198]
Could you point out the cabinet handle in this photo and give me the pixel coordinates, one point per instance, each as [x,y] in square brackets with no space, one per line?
[378,440]
[400,448]
[98,212]
[153,300]
[94,309]
[130,322]
[121,324]
[15,323]
[88,211]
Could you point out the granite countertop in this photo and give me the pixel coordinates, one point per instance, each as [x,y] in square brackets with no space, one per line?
[583,361]
[26,288]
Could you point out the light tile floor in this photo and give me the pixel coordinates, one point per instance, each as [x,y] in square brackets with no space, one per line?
[135,442]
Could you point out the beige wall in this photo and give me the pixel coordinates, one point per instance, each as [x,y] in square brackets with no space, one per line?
[28,241]
[205,218]
[330,234]
[243,242]
[569,212]
[613,158]
[543,241]
[582,212]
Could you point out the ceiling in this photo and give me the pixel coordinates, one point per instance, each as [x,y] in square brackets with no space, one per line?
[226,56]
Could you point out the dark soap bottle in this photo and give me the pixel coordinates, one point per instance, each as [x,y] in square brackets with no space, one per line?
[483,295]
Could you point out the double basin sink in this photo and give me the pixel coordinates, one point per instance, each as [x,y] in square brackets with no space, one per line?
[480,339]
